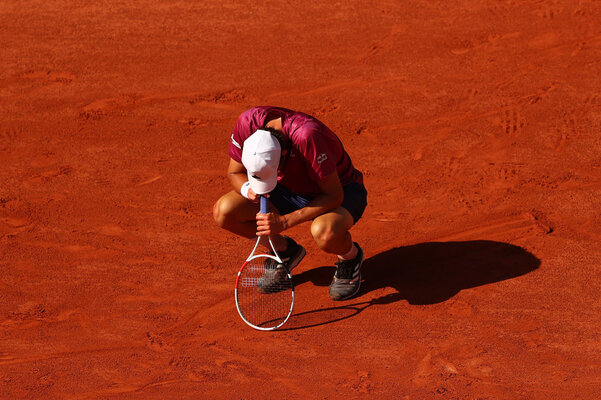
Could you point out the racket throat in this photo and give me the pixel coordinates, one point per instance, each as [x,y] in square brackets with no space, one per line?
[267,242]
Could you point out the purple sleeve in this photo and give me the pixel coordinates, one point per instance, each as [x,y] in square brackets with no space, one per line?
[237,138]
[319,157]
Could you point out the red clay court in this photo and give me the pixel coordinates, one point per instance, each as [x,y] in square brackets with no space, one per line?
[476,124]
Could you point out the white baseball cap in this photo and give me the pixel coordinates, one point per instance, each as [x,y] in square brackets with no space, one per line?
[261,158]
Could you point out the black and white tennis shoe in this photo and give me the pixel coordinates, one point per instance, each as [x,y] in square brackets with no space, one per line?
[347,279]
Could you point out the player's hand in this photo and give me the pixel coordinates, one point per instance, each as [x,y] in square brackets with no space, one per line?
[252,196]
[270,224]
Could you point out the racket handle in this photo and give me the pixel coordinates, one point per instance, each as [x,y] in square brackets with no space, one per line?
[264,205]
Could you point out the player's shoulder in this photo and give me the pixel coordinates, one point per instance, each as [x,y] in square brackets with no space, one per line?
[246,121]
[247,115]
[308,127]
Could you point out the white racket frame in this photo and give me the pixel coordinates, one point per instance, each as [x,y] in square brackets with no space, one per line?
[276,257]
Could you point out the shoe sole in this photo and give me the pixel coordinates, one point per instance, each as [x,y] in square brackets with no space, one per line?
[350,295]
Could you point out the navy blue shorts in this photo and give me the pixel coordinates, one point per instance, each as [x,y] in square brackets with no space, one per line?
[355,200]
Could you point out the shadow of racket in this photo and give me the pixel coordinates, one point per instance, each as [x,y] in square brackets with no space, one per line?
[330,315]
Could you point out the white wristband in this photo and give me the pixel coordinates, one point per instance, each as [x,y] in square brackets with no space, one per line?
[244,189]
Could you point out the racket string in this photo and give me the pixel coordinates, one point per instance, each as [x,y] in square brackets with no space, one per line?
[264,293]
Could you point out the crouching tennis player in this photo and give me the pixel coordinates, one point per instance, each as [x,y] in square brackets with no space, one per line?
[303,168]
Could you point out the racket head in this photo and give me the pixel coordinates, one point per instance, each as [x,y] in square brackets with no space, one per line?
[264,293]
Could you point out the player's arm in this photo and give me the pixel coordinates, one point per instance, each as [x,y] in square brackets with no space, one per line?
[236,173]
[330,198]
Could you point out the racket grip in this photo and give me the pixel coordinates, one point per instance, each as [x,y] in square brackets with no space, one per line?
[264,205]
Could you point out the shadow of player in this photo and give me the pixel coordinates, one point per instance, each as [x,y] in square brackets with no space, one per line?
[421,274]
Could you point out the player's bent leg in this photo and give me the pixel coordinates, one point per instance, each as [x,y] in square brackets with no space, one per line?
[236,214]
[330,231]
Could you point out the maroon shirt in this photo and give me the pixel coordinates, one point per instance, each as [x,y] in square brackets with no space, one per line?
[315,154]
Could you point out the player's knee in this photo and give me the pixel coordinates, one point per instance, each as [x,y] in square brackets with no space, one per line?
[323,234]
[221,210]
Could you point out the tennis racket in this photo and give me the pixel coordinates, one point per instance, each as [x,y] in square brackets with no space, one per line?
[264,290]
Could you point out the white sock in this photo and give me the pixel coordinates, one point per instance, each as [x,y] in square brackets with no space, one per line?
[352,253]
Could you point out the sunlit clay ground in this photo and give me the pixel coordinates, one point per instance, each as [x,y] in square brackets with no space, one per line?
[476,124]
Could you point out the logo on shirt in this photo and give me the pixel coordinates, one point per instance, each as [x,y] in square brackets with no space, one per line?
[321,158]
